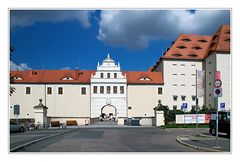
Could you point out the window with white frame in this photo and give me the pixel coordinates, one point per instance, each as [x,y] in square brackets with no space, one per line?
[193,98]
[175,97]
[83,90]
[108,89]
[183,97]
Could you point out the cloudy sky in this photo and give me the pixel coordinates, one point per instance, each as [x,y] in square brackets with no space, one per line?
[79,39]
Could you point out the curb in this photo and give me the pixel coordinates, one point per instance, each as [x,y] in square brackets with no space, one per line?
[196,147]
[37,140]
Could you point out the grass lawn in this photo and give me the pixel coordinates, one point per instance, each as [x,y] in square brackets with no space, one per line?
[185,126]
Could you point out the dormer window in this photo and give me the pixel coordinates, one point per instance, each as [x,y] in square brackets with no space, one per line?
[196,48]
[181,47]
[202,40]
[17,78]
[227,40]
[145,79]
[227,32]
[176,55]
[67,78]
[192,55]
[186,40]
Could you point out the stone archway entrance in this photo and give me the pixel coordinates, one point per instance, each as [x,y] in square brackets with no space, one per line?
[108,112]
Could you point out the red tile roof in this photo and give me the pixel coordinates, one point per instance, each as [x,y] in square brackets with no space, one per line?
[221,40]
[80,76]
[189,47]
[133,77]
[198,47]
[53,76]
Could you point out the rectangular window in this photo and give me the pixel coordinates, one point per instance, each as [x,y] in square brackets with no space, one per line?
[49,90]
[174,85]
[28,90]
[115,89]
[108,89]
[175,98]
[183,85]
[174,64]
[183,98]
[193,98]
[101,75]
[194,107]
[193,74]
[174,107]
[115,75]
[129,107]
[182,74]
[160,90]
[193,65]
[174,74]
[83,90]
[122,89]
[95,89]
[182,64]
[108,75]
[101,89]
[60,90]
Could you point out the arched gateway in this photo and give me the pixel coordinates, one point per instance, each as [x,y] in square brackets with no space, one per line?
[109,110]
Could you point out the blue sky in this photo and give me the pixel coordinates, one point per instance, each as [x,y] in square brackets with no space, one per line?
[79,39]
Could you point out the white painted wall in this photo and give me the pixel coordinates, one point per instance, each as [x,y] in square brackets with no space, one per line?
[180,80]
[220,62]
[71,104]
[142,99]
[224,66]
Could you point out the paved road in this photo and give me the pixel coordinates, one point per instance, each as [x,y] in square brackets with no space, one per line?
[115,140]
[17,139]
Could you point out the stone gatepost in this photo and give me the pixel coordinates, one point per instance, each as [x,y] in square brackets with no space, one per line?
[159,117]
[40,113]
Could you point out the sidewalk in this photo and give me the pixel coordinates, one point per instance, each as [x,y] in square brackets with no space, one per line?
[205,143]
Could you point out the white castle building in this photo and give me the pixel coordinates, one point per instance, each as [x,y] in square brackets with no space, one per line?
[84,95]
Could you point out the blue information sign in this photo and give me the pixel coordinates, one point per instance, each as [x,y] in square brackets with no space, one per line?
[222,105]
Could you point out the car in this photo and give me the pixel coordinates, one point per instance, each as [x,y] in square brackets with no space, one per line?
[223,123]
[14,127]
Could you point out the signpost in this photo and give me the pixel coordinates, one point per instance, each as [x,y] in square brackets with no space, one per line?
[222,106]
[184,109]
[217,93]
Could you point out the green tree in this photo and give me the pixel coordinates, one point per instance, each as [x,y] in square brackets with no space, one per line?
[11,89]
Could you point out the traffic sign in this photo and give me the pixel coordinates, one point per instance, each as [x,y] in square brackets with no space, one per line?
[217,92]
[217,83]
[222,105]
[184,106]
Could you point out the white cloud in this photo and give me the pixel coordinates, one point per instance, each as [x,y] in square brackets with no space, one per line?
[134,29]
[23,18]
[20,67]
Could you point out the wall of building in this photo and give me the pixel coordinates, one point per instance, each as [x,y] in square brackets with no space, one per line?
[218,62]
[142,99]
[70,104]
[180,80]
[210,68]
[119,101]
[224,66]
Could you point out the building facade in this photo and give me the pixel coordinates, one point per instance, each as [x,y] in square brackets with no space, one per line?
[84,95]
